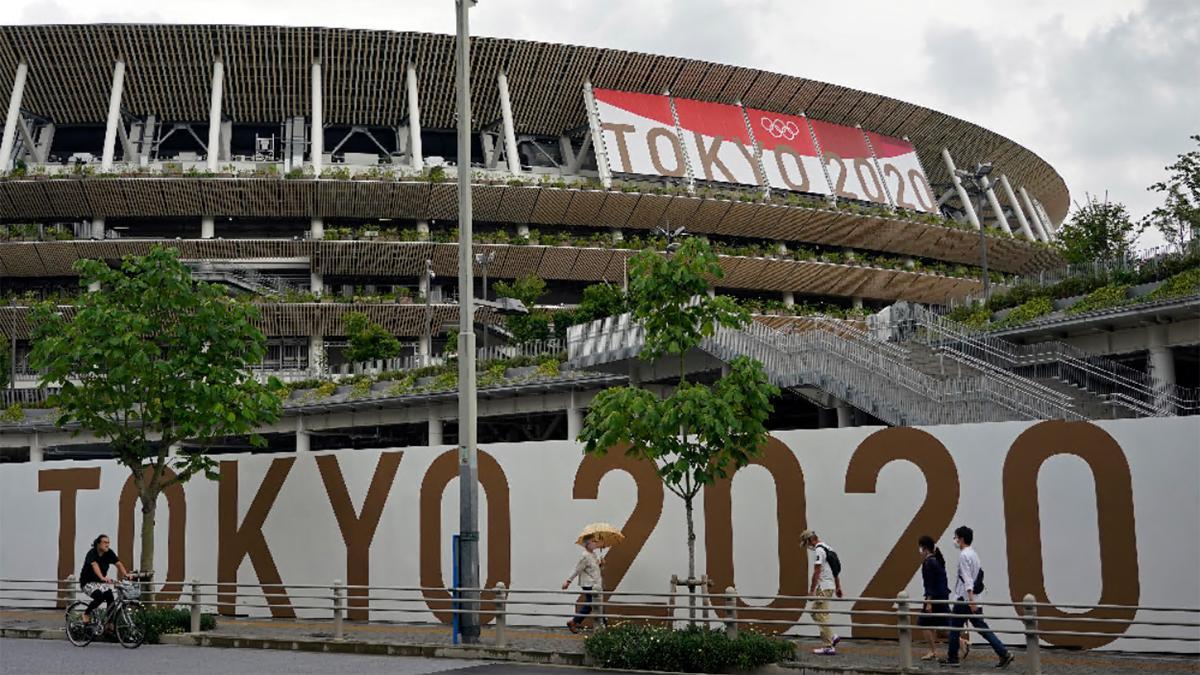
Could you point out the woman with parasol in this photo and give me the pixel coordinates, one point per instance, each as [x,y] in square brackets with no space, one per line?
[595,537]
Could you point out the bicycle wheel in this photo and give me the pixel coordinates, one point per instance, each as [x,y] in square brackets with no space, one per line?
[79,633]
[130,625]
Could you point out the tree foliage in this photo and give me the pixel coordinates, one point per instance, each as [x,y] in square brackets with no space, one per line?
[152,359]
[525,327]
[368,340]
[1098,230]
[1178,219]
[698,433]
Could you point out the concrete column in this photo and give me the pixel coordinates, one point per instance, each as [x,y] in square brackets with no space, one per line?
[781,247]
[303,439]
[114,115]
[13,118]
[962,191]
[523,231]
[317,149]
[316,229]
[214,115]
[1016,207]
[856,302]
[35,448]
[435,429]
[510,135]
[1047,224]
[316,282]
[1034,220]
[97,228]
[423,229]
[208,227]
[423,346]
[845,416]
[94,287]
[995,204]
[789,298]
[712,292]
[618,235]
[416,159]
[574,419]
[1162,361]
[316,354]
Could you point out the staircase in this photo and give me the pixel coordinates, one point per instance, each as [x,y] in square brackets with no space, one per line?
[846,363]
[249,280]
[1097,386]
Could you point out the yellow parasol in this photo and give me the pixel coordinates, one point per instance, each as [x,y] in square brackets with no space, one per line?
[605,535]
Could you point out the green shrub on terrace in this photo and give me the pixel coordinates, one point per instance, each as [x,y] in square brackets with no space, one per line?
[975,316]
[1178,286]
[160,621]
[1112,295]
[1026,312]
[13,414]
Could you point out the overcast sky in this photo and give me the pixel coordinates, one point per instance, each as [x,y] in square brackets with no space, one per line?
[1107,91]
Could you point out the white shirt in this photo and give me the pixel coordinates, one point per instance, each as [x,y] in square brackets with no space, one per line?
[825,576]
[588,571]
[968,569]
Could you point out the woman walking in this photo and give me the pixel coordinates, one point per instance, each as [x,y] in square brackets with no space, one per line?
[937,594]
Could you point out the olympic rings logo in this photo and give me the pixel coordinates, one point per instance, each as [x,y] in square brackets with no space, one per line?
[779,128]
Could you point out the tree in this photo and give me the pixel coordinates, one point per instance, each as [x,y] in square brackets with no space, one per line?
[600,301]
[369,341]
[1178,219]
[699,433]
[152,359]
[1098,230]
[525,327]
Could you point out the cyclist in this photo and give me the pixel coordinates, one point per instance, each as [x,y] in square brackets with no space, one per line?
[94,579]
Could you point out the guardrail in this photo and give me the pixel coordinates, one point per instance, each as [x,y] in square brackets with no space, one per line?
[1089,625]
[1135,390]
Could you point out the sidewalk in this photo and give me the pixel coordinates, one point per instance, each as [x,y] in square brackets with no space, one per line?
[558,646]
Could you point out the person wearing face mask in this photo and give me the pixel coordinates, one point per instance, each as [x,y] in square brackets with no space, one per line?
[937,593]
[94,579]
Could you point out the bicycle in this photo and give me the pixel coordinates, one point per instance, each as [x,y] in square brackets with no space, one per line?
[126,615]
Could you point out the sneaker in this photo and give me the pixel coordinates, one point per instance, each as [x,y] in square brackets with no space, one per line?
[1005,660]
[836,640]
[825,651]
[572,626]
[948,663]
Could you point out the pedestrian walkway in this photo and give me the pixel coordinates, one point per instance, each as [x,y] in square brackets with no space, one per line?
[550,645]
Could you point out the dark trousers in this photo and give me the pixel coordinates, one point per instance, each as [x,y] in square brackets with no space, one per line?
[583,610]
[99,597]
[962,614]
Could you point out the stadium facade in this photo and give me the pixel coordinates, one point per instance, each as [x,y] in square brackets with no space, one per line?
[315,168]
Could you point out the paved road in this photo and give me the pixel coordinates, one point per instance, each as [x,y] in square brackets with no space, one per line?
[19,657]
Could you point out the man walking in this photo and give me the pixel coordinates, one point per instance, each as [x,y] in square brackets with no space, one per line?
[825,583]
[968,579]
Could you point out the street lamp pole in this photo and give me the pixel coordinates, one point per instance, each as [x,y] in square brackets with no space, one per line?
[484,260]
[468,461]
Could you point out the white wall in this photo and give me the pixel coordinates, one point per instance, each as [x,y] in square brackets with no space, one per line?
[305,541]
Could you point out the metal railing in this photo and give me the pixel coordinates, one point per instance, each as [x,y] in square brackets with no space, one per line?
[1026,622]
[1133,390]
[868,374]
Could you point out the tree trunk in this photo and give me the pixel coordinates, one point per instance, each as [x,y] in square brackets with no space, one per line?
[149,506]
[691,580]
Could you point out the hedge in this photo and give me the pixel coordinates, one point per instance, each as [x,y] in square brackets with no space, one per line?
[1112,295]
[691,650]
[1024,313]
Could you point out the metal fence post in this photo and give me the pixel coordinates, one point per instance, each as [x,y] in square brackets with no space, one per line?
[501,614]
[731,628]
[903,626]
[1032,646]
[337,609]
[195,618]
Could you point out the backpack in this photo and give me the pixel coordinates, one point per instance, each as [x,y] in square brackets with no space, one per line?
[831,557]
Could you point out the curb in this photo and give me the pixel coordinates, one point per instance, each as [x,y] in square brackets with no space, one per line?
[482,653]
[479,653]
